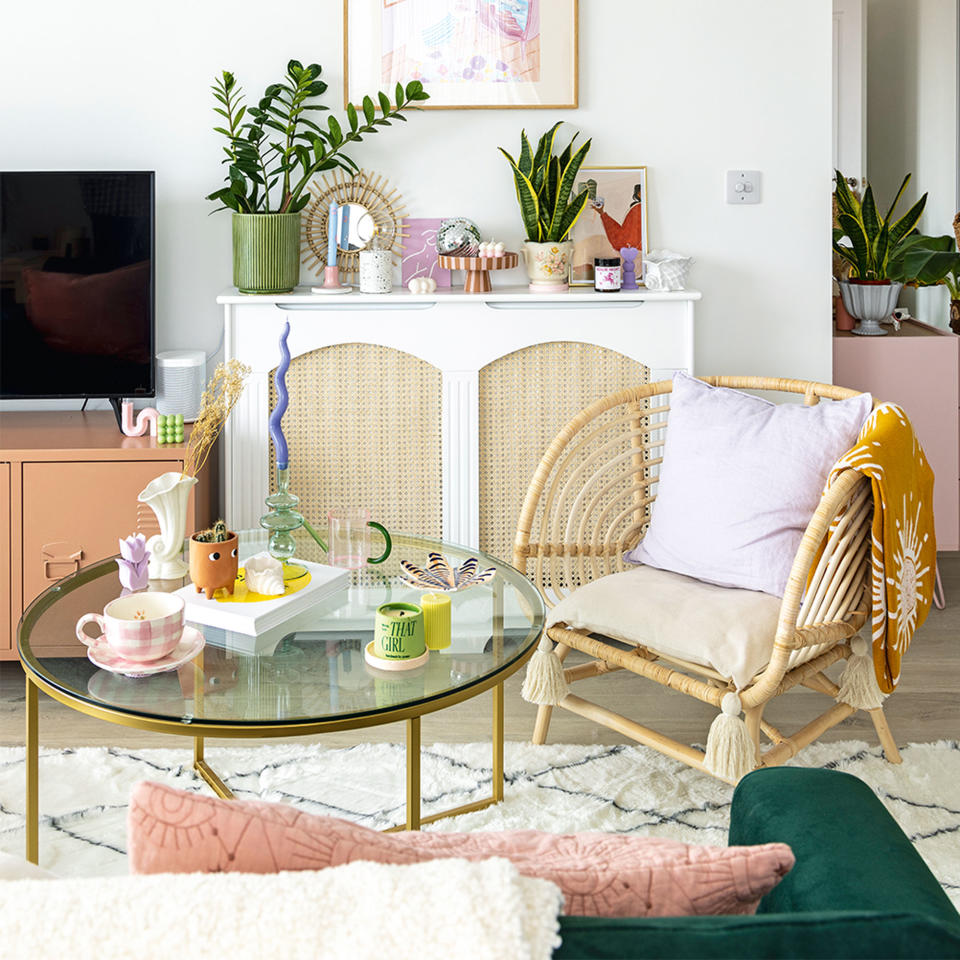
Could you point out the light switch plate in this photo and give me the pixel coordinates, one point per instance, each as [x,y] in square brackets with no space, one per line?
[743,186]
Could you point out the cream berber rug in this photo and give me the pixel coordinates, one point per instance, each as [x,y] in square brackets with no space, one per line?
[561,788]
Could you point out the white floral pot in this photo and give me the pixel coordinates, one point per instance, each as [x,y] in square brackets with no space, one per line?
[167,496]
[548,265]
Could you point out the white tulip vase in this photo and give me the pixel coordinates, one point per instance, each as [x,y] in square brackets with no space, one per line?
[167,496]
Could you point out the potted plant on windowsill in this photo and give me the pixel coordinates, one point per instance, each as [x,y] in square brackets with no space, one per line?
[544,181]
[884,254]
[272,151]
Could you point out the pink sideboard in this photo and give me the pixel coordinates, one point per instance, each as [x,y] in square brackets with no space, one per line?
[919,368]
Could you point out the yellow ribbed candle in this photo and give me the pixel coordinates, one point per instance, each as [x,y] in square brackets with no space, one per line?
[436,620]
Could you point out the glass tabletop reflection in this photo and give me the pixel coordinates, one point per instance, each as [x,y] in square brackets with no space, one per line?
[310,668]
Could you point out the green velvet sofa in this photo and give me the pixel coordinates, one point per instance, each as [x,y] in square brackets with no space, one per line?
[859,889]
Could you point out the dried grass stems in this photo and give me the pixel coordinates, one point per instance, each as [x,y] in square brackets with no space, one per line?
[219,398]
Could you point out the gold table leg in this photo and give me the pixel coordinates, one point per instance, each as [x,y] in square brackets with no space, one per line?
[498,743]
[207,772]
[199,764]
[413,773]
[32,776]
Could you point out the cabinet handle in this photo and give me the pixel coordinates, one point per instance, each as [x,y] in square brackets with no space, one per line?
[576,305]
[338,307]
[60,552]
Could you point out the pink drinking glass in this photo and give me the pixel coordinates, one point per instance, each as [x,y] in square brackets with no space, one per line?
[350,539]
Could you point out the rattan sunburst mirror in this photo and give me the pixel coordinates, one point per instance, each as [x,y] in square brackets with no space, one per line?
[375,208]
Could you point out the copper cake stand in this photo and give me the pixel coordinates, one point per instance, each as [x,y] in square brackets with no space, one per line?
[478,269]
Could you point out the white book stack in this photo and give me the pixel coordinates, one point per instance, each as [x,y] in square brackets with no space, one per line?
[254,619]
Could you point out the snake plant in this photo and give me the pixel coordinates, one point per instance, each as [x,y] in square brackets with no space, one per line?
[873,241]
[544,182]
[880,248]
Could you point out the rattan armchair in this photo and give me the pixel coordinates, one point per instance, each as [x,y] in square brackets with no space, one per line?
[590,501]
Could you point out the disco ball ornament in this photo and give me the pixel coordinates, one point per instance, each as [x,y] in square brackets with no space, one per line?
[458,237]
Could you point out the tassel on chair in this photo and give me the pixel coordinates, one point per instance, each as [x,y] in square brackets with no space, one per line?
[858,683]
[730,752]
[544,684]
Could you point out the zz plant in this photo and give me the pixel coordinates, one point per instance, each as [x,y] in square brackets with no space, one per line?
[544,182]
[277,143]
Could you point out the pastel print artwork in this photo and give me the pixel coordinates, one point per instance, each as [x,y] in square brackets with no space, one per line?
[439,42]
[615,217]
[419,257]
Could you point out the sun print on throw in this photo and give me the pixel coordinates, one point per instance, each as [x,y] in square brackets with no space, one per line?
[909,573]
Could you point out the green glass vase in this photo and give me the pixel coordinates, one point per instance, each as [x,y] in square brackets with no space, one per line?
[266,252]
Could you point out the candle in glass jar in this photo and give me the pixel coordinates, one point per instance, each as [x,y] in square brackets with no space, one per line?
[436,620]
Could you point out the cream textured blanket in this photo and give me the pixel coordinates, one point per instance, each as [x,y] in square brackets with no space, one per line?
[440,910]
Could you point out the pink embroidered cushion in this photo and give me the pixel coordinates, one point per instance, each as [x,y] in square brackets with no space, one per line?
[604,875]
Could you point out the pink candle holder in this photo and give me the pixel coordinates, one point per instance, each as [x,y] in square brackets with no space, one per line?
[331,282]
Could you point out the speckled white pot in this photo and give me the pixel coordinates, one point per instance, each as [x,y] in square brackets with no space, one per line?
[376,271]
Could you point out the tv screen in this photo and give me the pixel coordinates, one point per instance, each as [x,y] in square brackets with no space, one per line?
[76,285]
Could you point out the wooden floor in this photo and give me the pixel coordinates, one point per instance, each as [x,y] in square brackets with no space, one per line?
[925,707]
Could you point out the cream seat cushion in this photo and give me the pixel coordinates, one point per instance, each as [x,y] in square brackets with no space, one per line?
[726,628]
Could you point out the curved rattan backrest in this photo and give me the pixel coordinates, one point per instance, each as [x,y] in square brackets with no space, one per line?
[590,498]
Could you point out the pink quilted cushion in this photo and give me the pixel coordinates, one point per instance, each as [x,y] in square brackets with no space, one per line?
[604,875]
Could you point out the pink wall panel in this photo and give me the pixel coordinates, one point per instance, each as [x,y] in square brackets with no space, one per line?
[921,374]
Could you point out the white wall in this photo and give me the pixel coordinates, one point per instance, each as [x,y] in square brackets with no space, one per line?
[689,87]
[912,117]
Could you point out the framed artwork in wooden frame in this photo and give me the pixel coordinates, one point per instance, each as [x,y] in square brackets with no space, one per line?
[494,54]
[615,217]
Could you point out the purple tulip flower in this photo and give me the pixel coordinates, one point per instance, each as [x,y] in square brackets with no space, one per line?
[132,562]
[134,548]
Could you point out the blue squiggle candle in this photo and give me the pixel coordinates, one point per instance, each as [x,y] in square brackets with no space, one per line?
[279,381]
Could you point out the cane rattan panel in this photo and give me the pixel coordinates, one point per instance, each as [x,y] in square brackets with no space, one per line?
[526,398]
[363,430]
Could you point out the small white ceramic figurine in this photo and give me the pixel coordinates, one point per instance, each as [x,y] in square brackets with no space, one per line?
[422,285]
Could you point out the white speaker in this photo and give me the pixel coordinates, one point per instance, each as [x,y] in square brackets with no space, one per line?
[180,380]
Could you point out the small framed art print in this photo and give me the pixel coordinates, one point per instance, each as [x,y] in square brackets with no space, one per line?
[615,217]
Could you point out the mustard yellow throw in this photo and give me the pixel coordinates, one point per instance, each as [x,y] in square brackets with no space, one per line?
[904,548]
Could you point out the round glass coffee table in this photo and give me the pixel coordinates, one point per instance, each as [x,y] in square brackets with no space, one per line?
[307,675]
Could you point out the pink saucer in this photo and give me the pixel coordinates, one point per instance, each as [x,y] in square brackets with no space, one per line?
[102,655]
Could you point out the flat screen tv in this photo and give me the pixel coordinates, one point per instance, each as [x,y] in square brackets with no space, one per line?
[76,285]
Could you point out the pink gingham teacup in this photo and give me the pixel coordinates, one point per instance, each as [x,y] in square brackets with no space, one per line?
[140,627]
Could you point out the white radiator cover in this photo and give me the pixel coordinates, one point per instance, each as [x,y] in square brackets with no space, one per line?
[456,332]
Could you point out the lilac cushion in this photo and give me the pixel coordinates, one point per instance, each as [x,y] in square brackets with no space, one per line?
[740,480]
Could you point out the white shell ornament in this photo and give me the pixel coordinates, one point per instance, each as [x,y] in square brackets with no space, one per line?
[422,285]
[264,575]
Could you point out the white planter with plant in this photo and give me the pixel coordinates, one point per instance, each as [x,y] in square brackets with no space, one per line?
[273,149]
[544,181]
[884,254]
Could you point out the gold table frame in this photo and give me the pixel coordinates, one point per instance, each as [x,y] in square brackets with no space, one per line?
[200,731]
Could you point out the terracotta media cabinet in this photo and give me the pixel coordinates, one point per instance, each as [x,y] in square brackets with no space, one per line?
[68,491]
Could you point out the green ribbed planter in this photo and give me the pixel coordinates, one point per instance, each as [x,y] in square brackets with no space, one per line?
[266,252]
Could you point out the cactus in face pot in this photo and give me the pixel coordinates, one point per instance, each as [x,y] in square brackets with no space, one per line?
[215,534]
[213,559]
[544,182]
